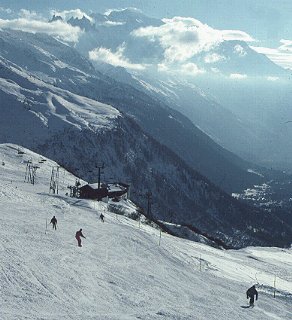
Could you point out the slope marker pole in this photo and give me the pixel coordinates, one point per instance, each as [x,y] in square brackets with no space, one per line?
[159,238]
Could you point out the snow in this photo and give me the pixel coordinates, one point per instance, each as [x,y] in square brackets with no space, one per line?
[148,86]
[121,272]
[255,172]
[55,108]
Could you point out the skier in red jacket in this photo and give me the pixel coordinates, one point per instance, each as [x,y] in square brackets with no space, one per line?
[78,237]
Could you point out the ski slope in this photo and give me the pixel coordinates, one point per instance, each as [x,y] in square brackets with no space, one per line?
[121,272]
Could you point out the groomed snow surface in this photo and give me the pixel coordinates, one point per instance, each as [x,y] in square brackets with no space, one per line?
[120,272]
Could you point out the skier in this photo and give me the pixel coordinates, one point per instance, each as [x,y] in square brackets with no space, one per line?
[54,222]
[250,293]
[78,237]
[101,217]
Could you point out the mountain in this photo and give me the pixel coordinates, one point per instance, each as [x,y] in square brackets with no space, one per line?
[112,30]
[121,271]
[145,41]
[243,90]
[218,122]
[56,18]
[79,132]
[132,17]
[236,57]
[264,107]
[64,67]
[83,23]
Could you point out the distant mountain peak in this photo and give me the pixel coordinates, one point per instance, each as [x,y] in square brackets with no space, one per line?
[56,18]
[132,16]
[83,23]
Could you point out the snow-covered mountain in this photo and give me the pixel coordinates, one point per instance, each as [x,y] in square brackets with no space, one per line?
[122,271]
[246,95]
[264,108]
[236,57]
[218,122]
[40,110]
[145,40]
[62,66]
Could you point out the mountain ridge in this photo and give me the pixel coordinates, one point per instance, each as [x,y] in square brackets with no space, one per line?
[177,132]
[79,132]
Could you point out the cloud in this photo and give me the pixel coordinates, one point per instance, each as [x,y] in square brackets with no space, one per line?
[229,35]
[213,58]
[238,76]
[286,45]
[75,13]
[282,55]
[114,58]
[240,50]
[191,69]
[6,10]
[187,69]
[215,70]
[109,11]
[162,67]
[113,23]
[183,38]
[27,14]
[59,29]
[272,78]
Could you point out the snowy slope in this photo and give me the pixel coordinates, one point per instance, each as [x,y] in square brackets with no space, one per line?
[32,108]
[61,66]
[41,110]
[120,272]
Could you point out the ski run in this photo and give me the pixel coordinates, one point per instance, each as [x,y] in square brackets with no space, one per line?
[122,271]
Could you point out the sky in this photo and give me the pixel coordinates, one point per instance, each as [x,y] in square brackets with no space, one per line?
[266,21]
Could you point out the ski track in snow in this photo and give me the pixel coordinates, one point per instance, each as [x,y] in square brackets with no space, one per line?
[120,272]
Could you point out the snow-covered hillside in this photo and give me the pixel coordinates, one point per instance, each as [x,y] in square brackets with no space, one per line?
[60,66]
[51,113]
[121,272]
[33,109]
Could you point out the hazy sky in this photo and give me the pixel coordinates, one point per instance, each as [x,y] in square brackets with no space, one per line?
[264,19]
[268,22]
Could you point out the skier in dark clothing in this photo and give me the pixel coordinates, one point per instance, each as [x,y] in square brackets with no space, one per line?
[54,222]
[250,293]
[101,217]
[78,237]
